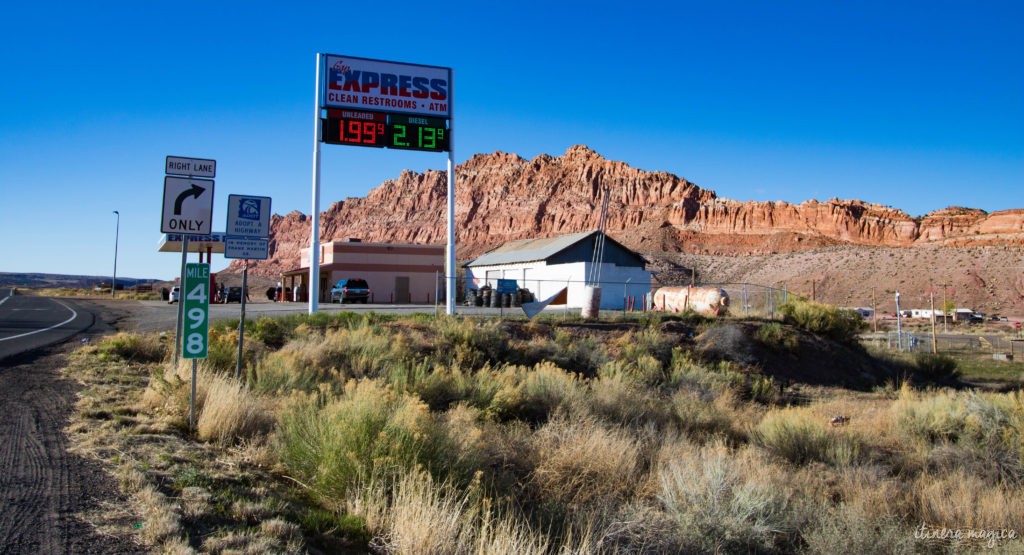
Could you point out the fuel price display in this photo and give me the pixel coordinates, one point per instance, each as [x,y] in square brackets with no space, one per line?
[348,127]
[380,129]
[417,133]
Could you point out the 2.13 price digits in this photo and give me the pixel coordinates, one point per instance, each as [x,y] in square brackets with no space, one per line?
[418,133]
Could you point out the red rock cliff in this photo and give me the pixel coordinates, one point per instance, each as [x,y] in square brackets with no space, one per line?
[501,197]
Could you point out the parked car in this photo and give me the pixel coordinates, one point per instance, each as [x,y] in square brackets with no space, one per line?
[351,290]
[234,295]
[173,296]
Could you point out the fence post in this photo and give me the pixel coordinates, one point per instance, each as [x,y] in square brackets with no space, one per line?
[745,314]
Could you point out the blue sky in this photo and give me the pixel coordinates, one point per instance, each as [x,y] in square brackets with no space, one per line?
[915,105]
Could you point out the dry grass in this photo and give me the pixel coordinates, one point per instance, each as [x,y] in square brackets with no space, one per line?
[961,500]
[423,516]
[722,500]
[230,412]
[586,465]
[476,447]
[800,437]
[159,521]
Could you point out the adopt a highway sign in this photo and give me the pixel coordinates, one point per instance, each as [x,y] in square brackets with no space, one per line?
[248,216]
[188,206]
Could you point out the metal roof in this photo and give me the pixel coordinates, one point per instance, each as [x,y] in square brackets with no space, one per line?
[529,250]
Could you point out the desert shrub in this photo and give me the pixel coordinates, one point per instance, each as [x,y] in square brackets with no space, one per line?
[961,500]
[800,437]
[270,331]
[532,394]
[618,400]
[721,501]
[584,465]
[365,350]
[649,342]
[469,343]
[439,387]
[230,412]
[168,394]
[838,323]
[849,528]
[286,370]
[583,355]
[338,355]
[368,432]
[133,347]
[415,513]
[980,432]
[936,367]
[686,371]
[221,352]
[700,418]
[644,370]
[777,336]
[718,378]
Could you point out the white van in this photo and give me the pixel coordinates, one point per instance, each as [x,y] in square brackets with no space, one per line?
[175,293]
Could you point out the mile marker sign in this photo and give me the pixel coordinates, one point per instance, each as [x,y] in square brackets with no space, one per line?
[188,206]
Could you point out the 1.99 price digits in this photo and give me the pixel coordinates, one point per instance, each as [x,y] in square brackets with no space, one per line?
[363,132]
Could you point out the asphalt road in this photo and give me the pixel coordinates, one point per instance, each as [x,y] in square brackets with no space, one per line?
[28,322]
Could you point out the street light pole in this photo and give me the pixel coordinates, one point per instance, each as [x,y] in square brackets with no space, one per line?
[899,327]
[117,231]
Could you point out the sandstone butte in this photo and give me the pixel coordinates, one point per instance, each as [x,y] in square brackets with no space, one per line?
[501,197]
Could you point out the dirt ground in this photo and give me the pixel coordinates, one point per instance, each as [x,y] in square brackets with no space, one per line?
[44,489]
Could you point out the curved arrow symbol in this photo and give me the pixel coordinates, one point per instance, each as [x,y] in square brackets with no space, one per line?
[195,191]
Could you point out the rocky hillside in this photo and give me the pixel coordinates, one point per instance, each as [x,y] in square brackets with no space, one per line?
[501,197]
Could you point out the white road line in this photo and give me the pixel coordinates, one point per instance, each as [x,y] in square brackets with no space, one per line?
[73,316]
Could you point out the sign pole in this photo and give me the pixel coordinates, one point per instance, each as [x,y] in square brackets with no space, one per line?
[181,295]
[449,262]
[314,236]
[241,321]
[192,397]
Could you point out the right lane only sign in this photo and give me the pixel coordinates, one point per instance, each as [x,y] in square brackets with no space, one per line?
[188,206]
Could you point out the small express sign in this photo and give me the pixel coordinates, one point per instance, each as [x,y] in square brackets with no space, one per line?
[377,129]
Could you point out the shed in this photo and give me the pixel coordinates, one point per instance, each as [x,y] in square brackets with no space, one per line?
[545,266]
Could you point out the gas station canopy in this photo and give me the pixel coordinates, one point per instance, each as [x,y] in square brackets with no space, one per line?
[213,242]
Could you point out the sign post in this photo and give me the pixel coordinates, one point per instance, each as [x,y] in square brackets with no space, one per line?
[188,210]
[382,104]
[195,297]
[248,232]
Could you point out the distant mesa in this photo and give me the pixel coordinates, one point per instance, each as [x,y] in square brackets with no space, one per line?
[502,197]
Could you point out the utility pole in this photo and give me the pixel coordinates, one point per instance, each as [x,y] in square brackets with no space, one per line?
[874,311]
[945,315]
[935,347]
[899,327]
[117,231]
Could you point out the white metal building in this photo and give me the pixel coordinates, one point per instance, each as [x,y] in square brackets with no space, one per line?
[545,266]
